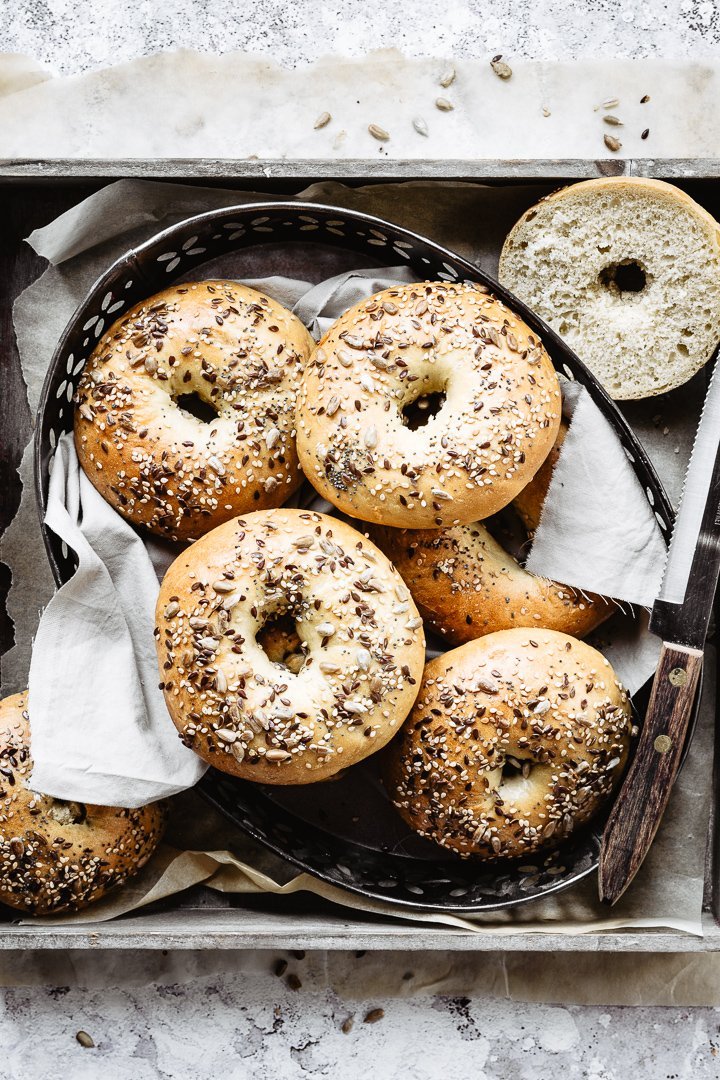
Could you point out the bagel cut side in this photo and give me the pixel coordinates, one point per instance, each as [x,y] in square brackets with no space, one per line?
[627,270]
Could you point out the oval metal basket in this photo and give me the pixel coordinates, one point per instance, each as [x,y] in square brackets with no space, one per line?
[322,836]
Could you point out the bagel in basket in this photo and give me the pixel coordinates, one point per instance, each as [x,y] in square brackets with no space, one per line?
[466,584]
[627,270]
[515,741]
[362,647]
[185,412]
[411,345]
[55,855]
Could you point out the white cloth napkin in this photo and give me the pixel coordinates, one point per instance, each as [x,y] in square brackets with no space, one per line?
[100,729]
[597,530]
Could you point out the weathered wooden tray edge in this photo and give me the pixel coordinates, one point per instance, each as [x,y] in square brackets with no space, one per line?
[240,928]
[357,169]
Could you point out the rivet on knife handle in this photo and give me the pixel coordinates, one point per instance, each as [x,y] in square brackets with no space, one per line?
[639,807]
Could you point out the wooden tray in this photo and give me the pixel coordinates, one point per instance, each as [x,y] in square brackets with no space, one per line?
[35,192]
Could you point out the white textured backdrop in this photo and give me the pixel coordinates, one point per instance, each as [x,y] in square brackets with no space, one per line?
[178,1016]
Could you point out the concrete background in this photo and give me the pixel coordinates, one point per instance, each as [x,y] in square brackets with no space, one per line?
[173,1019]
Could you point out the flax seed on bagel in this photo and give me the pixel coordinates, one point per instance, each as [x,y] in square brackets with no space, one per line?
[185,411]
[515,740]
[56,855]
[343,693]
[466,585]
[494,429]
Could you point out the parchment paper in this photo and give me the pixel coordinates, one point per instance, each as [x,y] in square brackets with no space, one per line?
[668,890]
[201,107]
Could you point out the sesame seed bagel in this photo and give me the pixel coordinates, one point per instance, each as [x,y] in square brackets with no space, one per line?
[499,418]
[185,411]
[515,740]
[61,856]
[466,584]
[361,638]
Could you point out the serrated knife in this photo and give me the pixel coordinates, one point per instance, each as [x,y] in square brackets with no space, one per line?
[680,617]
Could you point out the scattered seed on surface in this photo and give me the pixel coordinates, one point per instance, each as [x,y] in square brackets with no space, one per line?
[644,99]
[612,143]
[378,133]
[444,105]
[611,103]
[546,111]
[373,1016]
[501,69]
[613,120]
[299,954]
[447,78]
[293,982]
[280,967]
[645,133]
[420,126]
[85,1040]
[322,121]
[347,1025]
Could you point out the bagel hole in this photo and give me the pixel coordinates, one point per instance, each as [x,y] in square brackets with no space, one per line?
[416,414]
[516,768]
[66,813]
[196,406]
[627,276]
[281,643]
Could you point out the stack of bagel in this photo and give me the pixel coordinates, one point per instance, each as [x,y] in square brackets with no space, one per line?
[291,643]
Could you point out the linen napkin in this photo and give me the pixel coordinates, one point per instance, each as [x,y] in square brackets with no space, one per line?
[584,538]
[100,729]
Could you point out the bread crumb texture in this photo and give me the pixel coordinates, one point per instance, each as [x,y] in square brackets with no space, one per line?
[628,273]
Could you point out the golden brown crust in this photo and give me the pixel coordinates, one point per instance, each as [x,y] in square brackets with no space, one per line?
[238,351]
[55,855]
[529,502]
[466,585]
[363,643]
[515,740]
[496,426]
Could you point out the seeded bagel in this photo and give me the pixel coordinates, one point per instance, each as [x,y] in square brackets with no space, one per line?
[362,647]
[393,352]
[529,502]
[61,856]
[515,740]
[627,270]
[185,411]
[466,584]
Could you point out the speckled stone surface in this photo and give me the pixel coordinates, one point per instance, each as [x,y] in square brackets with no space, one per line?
[252,1024]
[242,1020]
[74,35]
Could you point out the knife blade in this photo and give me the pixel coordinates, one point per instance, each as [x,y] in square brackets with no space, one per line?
[680,617]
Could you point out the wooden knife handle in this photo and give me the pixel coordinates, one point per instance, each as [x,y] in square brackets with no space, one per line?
[641,803]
